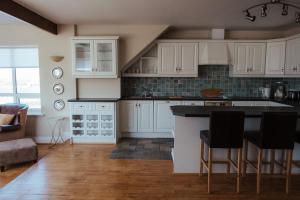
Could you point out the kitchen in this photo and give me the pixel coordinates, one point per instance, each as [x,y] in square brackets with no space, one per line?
[172,108]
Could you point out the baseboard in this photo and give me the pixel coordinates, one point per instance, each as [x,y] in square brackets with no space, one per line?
[47,139]
[146,135]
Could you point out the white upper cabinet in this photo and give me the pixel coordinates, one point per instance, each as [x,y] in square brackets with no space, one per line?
[292,64]
[178,59]
[275,59]
[188,58]
[95,57]
[167,58]
[249,59]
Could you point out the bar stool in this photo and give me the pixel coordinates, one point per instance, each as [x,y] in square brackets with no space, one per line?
[297,162]
[226,130]
[277,131]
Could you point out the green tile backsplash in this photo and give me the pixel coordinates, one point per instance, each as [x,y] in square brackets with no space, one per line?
[209,77]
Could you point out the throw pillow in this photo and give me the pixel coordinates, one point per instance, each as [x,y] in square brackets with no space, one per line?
[5,119]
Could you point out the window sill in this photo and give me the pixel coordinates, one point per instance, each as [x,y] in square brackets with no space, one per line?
[35,113]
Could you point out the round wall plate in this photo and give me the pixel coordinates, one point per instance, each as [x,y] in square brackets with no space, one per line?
[58,88]
[57,72]
[59,104]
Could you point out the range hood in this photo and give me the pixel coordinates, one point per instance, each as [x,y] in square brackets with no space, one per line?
[216,51]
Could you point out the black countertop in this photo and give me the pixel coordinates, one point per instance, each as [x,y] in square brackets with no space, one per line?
[204,111]
[94,100]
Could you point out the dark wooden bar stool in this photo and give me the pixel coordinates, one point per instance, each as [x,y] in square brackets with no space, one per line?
[277,132]
[297,162]
[225,131]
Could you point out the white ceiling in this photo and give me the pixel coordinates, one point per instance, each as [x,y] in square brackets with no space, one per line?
[179,13]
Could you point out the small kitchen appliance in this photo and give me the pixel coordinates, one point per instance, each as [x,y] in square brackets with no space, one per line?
[279,90]
[265,92]
[293,95]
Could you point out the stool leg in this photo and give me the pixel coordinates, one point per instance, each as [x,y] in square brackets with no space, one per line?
[210,155]
[239,165]
[201,157]
[272,160]
[288,170]
[228,160]
[245,157]
[259,162]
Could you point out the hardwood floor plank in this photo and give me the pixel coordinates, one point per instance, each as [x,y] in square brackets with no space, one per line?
[86,172]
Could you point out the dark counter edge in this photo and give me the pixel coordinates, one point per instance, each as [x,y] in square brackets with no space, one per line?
[251,112]
[94,100]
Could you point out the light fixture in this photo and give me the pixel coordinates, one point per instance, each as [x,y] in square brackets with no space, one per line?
[285,10]
[249,17]
[264,7]
[263,11]
[297,17]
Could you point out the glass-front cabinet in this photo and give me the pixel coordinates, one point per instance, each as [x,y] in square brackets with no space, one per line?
[95,57]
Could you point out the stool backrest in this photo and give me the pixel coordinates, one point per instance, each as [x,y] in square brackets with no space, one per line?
[227,129]
[278,130]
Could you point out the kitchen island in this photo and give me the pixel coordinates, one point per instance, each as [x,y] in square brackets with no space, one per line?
[190,120]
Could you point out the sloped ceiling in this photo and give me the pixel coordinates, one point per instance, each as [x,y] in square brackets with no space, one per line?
[179,13]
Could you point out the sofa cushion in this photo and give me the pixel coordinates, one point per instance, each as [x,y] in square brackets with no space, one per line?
[5,119]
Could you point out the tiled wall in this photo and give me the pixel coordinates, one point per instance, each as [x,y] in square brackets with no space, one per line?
[209,77]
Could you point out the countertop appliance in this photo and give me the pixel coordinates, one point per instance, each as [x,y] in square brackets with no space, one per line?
[293,95]
[265,92]
[279,90]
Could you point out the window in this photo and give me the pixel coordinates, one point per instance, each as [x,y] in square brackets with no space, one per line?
[20,76]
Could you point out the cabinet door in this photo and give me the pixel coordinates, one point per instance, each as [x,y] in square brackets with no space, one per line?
[241,56]
[145,116]
[188,58]
[275,58]
[105,57]
[167,58]
[82,56]
[292,65]
[256,58]
[128,119]
[164,119]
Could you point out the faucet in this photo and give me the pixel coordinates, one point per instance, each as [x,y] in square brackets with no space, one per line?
[147,92]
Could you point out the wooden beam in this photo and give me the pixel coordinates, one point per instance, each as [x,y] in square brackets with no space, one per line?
[14,9]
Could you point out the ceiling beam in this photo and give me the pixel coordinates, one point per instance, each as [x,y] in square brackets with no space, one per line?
[14,9]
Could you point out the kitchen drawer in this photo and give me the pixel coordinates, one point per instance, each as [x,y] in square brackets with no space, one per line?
[104,106]
[82,106]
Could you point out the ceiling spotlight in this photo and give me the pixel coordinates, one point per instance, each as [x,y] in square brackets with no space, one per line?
[263,11]
[249,16]
[297,17]
[285,10]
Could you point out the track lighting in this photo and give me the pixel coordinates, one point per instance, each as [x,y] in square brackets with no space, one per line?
[264,7]
[263,11]
[285,10]
[297,17]
[249,16]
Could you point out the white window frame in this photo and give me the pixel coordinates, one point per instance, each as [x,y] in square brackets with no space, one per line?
[16,96]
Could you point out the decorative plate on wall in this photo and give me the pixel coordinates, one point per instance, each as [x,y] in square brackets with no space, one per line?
[58,88]
[57,72]
[59,104]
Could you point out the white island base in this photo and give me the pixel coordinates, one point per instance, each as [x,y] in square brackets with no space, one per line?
[186,152]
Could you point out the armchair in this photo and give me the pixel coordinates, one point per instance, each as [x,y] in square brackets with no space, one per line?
[16,129]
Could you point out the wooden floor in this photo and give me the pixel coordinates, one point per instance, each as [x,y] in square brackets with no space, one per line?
[18,169]
[85,172]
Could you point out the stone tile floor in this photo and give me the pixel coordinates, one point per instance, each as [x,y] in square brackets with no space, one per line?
[143,149]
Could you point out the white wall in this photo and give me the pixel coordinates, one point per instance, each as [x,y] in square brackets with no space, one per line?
[48,45]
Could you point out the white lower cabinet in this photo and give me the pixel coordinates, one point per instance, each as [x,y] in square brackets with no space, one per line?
[136,116]
[163,117]
[92,122]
